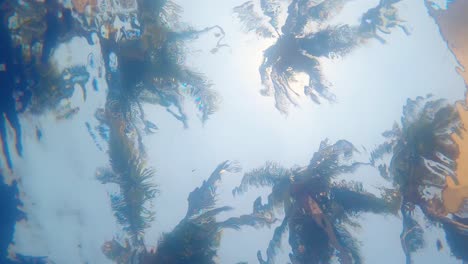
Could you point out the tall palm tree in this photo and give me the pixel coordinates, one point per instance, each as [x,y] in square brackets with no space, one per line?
[317,210]
[422,167]
[298,49]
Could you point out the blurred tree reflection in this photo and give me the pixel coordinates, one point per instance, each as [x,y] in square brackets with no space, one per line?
[305,37]
[318,211]
[423,167]
[197,236]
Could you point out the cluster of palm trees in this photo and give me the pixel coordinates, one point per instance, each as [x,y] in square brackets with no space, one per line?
[320,209]
[197,236]
[143,64]
[150,70]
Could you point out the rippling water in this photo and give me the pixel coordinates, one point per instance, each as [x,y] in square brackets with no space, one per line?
[267,131]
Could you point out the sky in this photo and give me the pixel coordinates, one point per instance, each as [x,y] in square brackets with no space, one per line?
[70,215]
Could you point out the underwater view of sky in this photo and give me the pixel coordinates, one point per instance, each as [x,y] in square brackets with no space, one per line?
[111,131]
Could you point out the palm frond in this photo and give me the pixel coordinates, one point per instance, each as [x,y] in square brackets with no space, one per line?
[261,215]
[275,243]
[208,215]
[412,236]
[106,175]
[253,220]
[271,8]
[457,240]
[331,160]
[296,19]
[188,242]
[276,81]
[277,199]
[134,180]
[195,85]
[172,81]
[302,13]
[130,205]
[351,244]
[330,42]
[204,197]
[267,176]
[381,150]
[251,21]
[381,19]
[325,10]
[354,199]
[170,14]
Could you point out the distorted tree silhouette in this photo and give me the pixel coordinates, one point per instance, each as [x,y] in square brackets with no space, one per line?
[146,68]
[197,236]
[25,44]
[151,67]
[136,189]
[317,210]
[422,162]
[299,46]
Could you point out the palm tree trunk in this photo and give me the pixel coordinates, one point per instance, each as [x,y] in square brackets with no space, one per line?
[324,222]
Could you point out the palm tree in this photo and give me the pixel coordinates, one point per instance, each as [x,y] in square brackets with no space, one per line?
[298,50]
[147,69]
[151,66]
[423,168]
[317,210]
[197,236]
